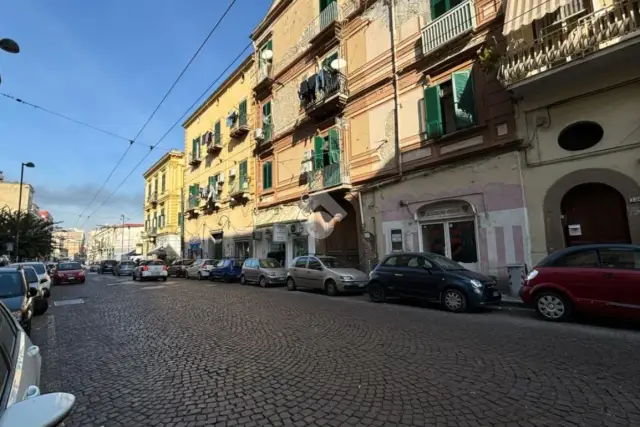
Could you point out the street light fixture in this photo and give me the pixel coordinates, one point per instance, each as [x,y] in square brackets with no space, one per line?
[28,165]
[9,46]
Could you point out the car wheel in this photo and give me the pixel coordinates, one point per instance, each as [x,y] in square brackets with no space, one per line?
[376,293]
[133,277]
[263,282]
[291,285]
[553,306]
[454,300]
[199,276]
[331,288]
[243,280]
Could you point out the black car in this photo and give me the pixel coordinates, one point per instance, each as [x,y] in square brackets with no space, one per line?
[177,267]
[431,277]
[107,266]
[18,294]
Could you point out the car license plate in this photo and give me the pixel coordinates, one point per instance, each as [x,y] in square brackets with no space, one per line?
[496,293]
[70,277]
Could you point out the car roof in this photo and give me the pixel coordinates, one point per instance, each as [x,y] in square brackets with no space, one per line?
[8,270]
[551,258]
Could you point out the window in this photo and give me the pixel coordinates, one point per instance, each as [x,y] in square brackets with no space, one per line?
[391,261]
[326,150]
[217,133]
[396,240]
[195,148]
[450,106]
[261,60]
[162,218]
[243,173]
[418,262]
[440,7]
[314,264]
[242,249]
[12,285]
[580,136]
[242,113]
[267,175]
[154,223]
[7,340]
[326,64]
[180,218]
[30,275]
[301,262]
[194,193]
[325,4]
[582,259]
[267,121]
[163,183]
[155,186]
[149,191]
[626,259]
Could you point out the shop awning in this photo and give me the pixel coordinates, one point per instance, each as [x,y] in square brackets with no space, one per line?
[520,13]
[132,253]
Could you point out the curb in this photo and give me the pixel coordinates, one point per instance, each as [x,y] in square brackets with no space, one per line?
[509,301]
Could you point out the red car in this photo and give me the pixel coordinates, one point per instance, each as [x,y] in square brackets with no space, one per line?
[69,272]
[602,279]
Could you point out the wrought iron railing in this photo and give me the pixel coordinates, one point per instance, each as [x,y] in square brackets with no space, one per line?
[329,176]
[452,24]
[334,83]
[239,186]
[576,39]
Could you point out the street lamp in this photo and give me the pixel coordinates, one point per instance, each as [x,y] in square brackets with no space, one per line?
[9,46]
[29,165]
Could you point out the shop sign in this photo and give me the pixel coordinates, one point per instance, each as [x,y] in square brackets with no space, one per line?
[280,233]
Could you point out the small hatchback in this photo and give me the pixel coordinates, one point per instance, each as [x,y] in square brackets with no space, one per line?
[227,270]
[263,271]
[69,272]
[601,279]
[150,270]
[124,268]
[18,294]
[431,277]
[326,273]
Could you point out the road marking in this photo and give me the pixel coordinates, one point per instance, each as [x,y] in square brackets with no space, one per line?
[68,302]
[153,287]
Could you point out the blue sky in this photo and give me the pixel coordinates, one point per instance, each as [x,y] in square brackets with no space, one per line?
[108,64]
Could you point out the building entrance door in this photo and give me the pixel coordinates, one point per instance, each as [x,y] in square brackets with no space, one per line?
[455,239]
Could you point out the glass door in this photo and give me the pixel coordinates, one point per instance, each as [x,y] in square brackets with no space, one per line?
[453,239]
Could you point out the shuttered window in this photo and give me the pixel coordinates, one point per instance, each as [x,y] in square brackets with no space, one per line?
[318,152]
[267,175]
[267,46]
[213,181]
[334,146]
[242,112]
[195,148]
[243,173]
[217,134]
[433,111]
[464,99]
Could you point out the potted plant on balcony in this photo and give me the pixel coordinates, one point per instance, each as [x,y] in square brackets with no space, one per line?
[489,56]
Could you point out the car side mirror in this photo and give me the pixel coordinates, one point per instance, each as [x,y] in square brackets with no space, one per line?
[42,281]
[33,292]
[46,410]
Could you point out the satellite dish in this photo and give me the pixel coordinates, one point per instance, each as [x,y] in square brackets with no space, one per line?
[338,64]
[267,55]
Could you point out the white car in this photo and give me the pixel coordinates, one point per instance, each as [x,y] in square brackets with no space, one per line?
[44,285]
[200,269]
[150,270]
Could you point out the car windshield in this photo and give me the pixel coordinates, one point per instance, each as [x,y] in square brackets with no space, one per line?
[331,262]
[128,263]
[39,268]
[445,263]
[31,275]
[155,262]
[11,285]
[269,263]
[66,266]
[110,262]
[221,263]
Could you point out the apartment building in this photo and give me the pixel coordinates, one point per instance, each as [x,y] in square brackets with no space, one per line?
[573,68]
[382,110]
[164,182]
[219,176]
[10,195]
[69,242]
[115,242]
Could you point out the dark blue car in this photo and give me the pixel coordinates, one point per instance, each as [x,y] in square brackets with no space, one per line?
[18,287]
[227,269]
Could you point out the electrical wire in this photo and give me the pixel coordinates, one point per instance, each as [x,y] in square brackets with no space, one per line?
[144,126]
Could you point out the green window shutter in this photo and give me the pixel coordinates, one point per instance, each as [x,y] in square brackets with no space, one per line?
[213,180]
[328,60]
[334,146]
[217,134]
[270,45]
[266,109]
[318,152]
[242,108]
[433,111]
[180,218]
[243,172]
[464,99]
[194,148]
[267,177]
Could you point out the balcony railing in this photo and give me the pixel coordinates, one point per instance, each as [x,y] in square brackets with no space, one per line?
[153,197]
[239,188]
[267,133]
[334,87]
[264,73]
[330,176]
[327,17]
[456,22]
[240,125]
[576,39]
[193,202]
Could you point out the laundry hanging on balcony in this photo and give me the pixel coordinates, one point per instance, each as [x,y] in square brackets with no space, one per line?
[521,13]
[231,118]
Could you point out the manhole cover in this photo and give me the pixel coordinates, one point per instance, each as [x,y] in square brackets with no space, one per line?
[68,302]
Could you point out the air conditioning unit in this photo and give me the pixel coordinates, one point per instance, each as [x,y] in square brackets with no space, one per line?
[257,235]
[295,229]
[258,133]
[232,172]
[307,156]
[306,168]
[221,179]
[208,137]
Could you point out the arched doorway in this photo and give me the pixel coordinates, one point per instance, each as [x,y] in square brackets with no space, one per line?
[342,243]
[594,213]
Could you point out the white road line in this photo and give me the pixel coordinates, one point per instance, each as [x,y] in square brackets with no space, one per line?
[68,302]
[153,287]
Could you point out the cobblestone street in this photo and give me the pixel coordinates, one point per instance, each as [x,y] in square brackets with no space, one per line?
[188,353]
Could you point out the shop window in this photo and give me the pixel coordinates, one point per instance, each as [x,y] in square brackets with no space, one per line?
[580,136]
[300,246]
[242,249]
[451,105]
[396,240]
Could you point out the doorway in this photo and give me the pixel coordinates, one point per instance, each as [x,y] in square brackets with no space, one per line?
[594,213]
[455,239]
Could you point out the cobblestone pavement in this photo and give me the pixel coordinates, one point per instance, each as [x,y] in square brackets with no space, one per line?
[197,354]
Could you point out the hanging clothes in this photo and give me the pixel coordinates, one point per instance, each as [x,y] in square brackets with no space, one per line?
[311,83]
[320,80]
[303,91]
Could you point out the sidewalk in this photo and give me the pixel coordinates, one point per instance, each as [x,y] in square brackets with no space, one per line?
[509,301]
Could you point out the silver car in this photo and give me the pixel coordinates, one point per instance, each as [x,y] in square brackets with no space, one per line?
[21,402]
[326,273]
[263,271]
[124,268]
[150,270]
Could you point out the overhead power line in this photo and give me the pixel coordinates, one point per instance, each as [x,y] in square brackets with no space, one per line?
[146,123]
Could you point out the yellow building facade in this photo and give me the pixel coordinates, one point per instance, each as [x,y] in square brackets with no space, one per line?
[219,175]
[164,182]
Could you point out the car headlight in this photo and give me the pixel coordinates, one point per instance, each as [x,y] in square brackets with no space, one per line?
[532,275]
[346,278]
[477,286]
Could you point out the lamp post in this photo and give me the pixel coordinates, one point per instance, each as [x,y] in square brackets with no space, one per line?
[29,165]
[9,46]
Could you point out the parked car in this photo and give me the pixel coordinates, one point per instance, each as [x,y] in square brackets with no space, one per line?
[200,269]
[18,294]
[228,269]
[94,267]
[41,281]
[69,272]
[107,266]
[434,278]
[177,268]
[51,268]
[150,270]
[20,401]
[43,276]
[124,268]
[263,271]
[600,279]
[326,273]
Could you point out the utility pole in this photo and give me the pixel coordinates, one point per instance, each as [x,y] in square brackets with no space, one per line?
[182,245]
[122,239]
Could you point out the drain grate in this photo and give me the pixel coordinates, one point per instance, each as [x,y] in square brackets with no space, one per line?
[68,302]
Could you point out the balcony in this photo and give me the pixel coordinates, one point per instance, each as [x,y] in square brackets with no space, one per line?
[328,98]
[263,76]
[454,23]
[153,232]
[195,159]
[239,189]
[215,145]
[334,176]
[153,198]
[265,134]
[240,125]
[571,41]
[325,26]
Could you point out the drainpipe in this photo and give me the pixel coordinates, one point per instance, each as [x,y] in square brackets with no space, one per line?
[396,96]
